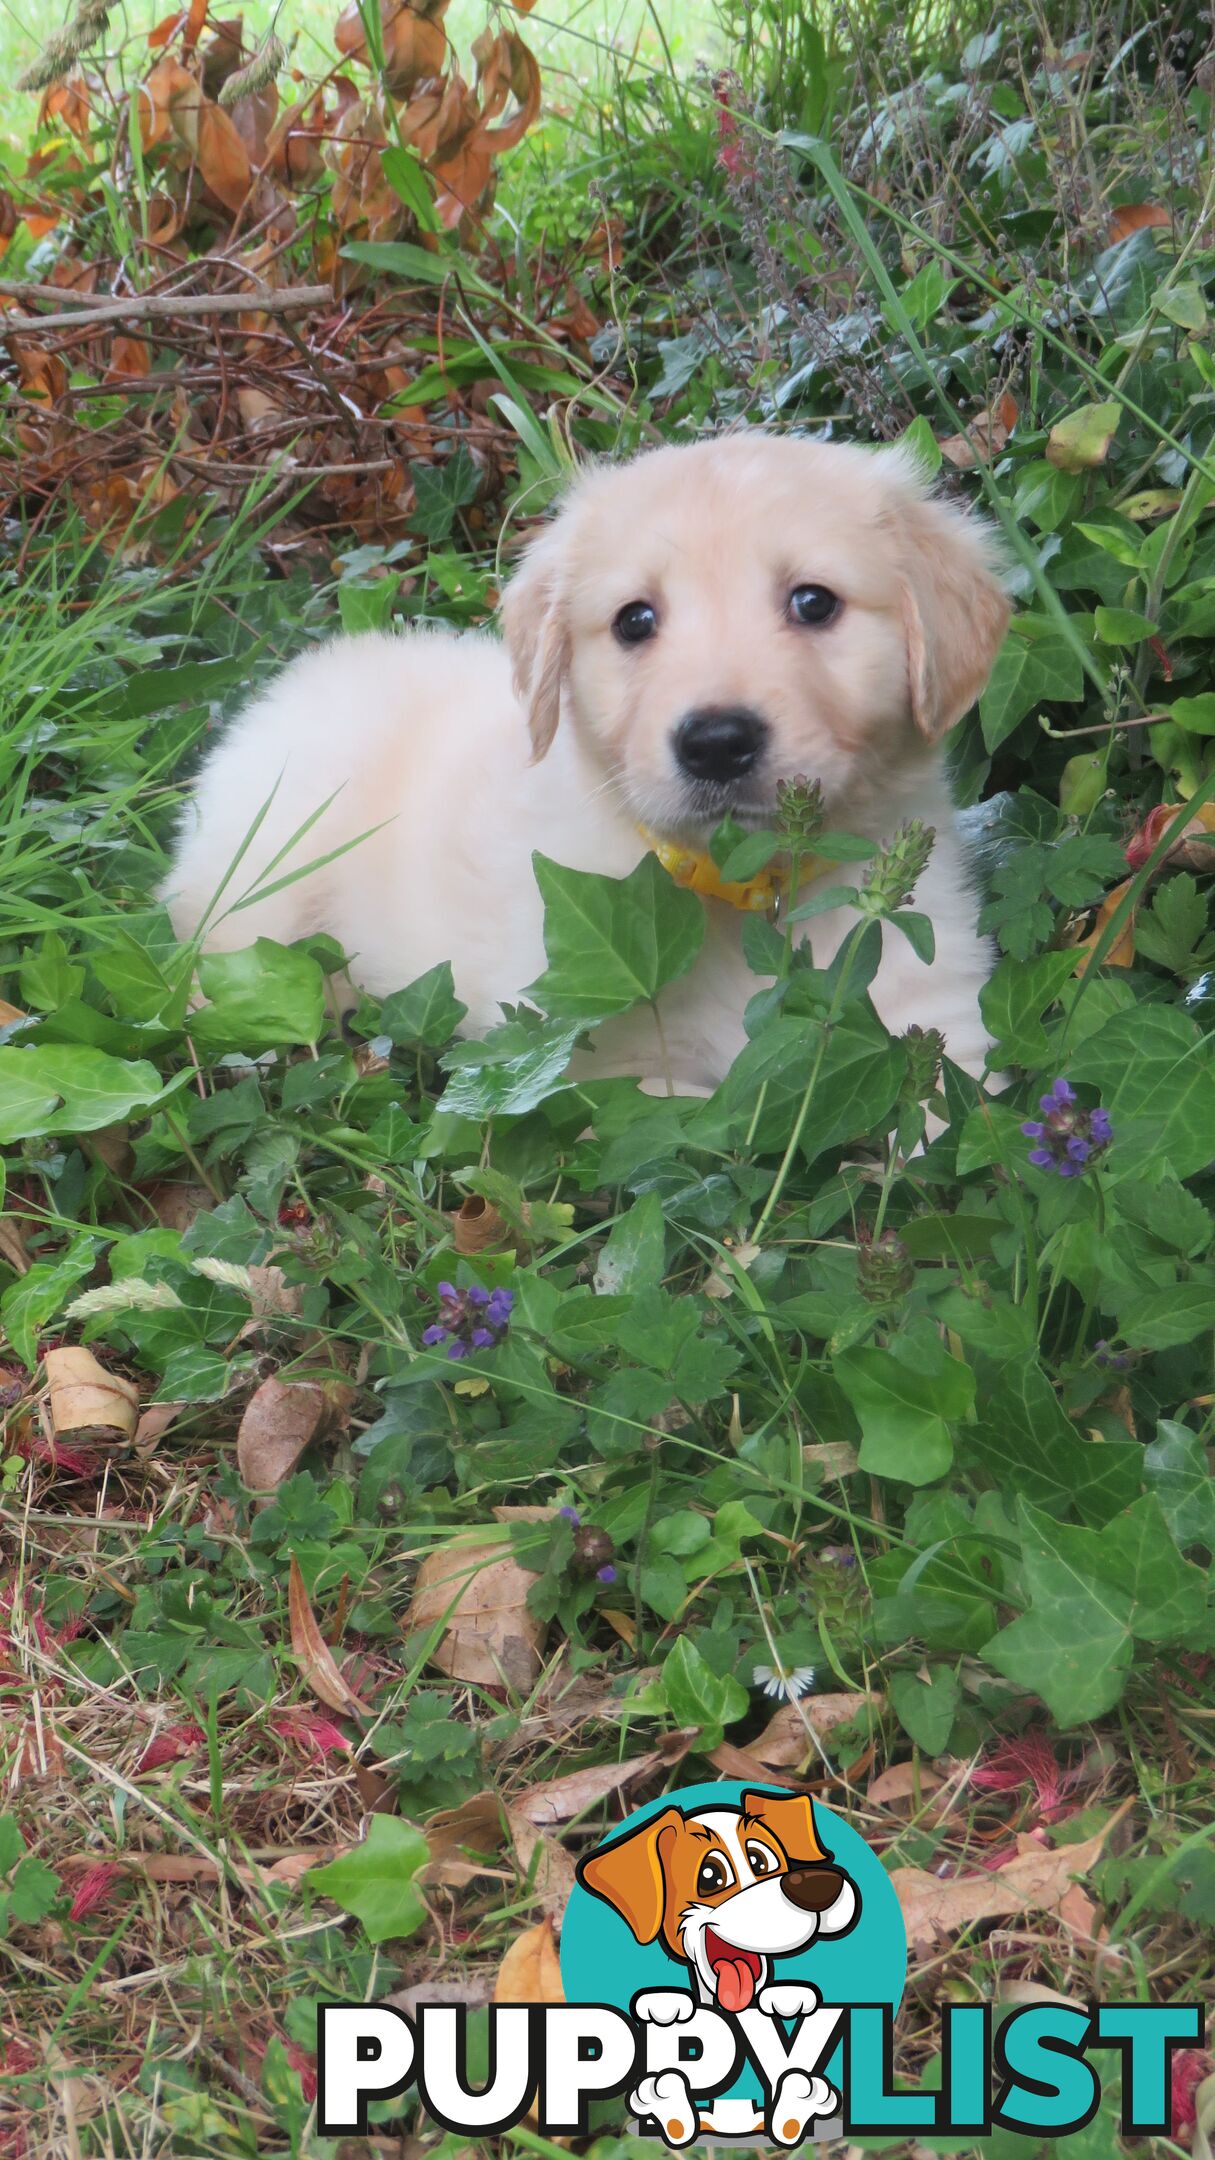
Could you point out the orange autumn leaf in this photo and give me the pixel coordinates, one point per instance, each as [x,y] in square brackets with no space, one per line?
[169,104]
[531,1971]
[1136,217]
[129,358]
[316,1660]
[984,436]
[1122,952]
[222,157]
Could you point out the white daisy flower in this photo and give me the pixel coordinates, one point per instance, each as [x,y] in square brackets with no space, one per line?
[785,1683]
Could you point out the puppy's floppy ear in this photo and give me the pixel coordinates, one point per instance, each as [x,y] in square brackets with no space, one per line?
[537,633]
[629,1874]
[955,611]
[790,1818]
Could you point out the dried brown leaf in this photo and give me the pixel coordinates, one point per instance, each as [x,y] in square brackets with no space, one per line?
[531,1971]
[223,159]
[477,1589]
[984,436]
[1136,217]
[785,1740]
[279,1421]
[477,1227]
[86,1398]
[316,1660]
[902,1782]
[564,1797]
[546,1864]
[1033,1881]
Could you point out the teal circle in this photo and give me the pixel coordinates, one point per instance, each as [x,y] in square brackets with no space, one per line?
[602,1963]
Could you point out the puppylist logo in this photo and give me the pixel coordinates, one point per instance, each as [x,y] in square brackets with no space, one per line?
[733,1959]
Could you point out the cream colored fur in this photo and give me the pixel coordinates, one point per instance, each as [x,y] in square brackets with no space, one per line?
[426,735]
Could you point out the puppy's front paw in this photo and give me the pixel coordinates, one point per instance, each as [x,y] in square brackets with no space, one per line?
[664,2006]
[667,2098]
[799,2100]
[789,1999]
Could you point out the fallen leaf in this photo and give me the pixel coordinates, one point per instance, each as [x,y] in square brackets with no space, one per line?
[1131,218]
[564,1797]
[1083,439]
[1122,952]
[785,1741]
[1031,1991]
[547,1866]
[129,359]
[280,1419]
[476,1589]
[741,1764]
[86,1398]
[839,1459]
[902,1782]
[1034,1881]
[222,157]
[316,1660]
[531,1971]
[477,1824]
[984,436]
[478,1227]
[176,1205]
[12,1246]
[155,1421]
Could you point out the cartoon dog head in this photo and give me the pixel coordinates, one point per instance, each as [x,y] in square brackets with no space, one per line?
[726,1889]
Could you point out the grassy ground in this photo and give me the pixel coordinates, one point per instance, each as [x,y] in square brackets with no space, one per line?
[923,1434]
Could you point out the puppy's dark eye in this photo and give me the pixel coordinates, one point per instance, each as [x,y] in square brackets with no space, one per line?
[635,623]
[763,1862]
[813,605]
[714,1875]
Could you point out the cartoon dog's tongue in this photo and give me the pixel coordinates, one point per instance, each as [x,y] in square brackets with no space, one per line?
[735,1972]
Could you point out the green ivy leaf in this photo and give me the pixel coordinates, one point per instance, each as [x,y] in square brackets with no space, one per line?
[696,1695]
[926,1709]
[1013,1001]
[266,997]
[69,1088]
[905,1410]
[1122,626]
[375,1881]
[1037,663]
[426,1015]
[612,943]
[1177,1470]
[1157,1076]
[517,1067]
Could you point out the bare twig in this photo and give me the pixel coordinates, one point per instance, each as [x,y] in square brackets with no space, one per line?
[158,307]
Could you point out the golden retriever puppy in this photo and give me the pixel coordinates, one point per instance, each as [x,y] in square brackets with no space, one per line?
[691,628]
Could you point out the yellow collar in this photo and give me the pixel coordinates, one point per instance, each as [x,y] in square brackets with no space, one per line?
[759,895]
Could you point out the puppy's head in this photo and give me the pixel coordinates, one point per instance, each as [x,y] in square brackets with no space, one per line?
[726,1889]
[721,616]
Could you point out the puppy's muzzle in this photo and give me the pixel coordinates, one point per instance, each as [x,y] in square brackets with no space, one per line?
[720,742]
[812,1888]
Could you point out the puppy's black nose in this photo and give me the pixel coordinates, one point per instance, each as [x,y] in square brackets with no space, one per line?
[720,742]
[814,1888]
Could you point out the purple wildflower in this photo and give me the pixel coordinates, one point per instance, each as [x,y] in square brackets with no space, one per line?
[1067,1137]
[605,1575]
[469,1320]
[570,1515]
[1112,1360]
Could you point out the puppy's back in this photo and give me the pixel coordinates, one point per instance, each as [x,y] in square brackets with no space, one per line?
[361,720]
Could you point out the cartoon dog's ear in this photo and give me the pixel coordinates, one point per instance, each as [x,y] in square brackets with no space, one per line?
[629,1874]
[537,634]
[790,1818]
